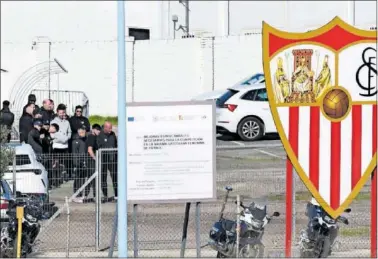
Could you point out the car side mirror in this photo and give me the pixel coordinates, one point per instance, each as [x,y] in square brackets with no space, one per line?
[276,214]
[18,194]
[348,210]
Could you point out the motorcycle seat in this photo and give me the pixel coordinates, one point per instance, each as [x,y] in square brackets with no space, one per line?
[229,225]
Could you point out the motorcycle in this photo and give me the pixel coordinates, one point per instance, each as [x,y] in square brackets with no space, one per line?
[253,220]
[30,228]
[315,241]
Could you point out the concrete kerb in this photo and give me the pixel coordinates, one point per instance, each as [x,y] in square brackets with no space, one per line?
[232,147]
[175,253]
[191,253]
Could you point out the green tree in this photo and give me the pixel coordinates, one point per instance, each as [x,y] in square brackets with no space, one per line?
[6,153]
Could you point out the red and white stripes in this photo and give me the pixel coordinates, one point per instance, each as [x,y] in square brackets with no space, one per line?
[334,155]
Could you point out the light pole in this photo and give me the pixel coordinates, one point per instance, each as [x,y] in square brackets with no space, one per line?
[49,69]
[185,28]
[122,154]
[352,12]
[34,46]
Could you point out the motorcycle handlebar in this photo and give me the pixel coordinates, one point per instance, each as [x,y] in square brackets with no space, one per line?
[343,220]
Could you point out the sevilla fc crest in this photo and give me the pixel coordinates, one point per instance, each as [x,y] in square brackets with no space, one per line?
[322,90]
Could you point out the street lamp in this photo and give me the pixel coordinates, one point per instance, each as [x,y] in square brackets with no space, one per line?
[183,28]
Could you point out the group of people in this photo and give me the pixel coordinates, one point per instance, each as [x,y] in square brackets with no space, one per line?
[68,142]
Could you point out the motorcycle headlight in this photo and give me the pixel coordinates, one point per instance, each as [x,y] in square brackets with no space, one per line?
[30,218]
[256,224]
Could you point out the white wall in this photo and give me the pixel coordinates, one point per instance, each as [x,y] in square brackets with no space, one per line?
[157,70]
[96,20]
[83,36]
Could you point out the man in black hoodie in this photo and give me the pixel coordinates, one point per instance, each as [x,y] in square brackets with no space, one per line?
[45,111]
[46,138]
[80,151]
[35,138]
[26,123]
[6,118]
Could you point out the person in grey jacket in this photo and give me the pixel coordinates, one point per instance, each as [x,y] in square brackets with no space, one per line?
[60,143]
[61,139]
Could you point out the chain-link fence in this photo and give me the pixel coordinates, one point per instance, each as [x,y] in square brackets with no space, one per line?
[155,230]
[55,179]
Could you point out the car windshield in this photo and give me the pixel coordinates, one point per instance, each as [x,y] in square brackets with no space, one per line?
[257,211]
[21,160]
[256,78]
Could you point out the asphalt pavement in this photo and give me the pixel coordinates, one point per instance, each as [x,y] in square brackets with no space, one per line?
[256,171]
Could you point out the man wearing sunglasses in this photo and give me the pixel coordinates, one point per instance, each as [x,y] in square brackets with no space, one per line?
[77,121]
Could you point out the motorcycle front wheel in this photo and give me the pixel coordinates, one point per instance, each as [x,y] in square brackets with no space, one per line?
[307,254]
[252,251]
[326,248]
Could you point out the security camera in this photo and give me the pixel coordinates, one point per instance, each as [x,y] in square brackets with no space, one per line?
[174,18]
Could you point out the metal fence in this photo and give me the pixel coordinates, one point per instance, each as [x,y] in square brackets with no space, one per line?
[155,230]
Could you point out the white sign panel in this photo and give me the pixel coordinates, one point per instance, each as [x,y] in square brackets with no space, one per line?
[171,152]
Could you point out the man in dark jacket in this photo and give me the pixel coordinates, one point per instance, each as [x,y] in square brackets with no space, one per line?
[78,120]
[45,111]
[26,123]
[6,118]
[108,140]
[80,152]
[92,148]
[31,99]
[35,138]
[46,138]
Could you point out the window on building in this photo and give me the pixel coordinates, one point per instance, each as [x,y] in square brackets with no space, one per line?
[139,34]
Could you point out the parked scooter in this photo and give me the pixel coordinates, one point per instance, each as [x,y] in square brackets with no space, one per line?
[253,220]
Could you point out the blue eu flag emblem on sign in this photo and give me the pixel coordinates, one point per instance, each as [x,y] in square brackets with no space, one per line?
[130,118]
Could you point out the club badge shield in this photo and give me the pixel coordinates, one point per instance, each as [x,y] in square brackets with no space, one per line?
[322,92]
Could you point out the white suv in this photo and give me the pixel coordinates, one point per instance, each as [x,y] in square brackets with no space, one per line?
[31,175]
[213,95]
[244,110]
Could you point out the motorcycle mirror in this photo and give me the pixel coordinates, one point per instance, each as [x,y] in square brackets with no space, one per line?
[228,188]
[276,214]
[348,210]
[344,220]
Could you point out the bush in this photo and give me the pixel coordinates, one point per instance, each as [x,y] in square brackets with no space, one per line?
[93,119]
[6,152]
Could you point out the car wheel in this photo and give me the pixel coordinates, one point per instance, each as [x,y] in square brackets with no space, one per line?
[250,129]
